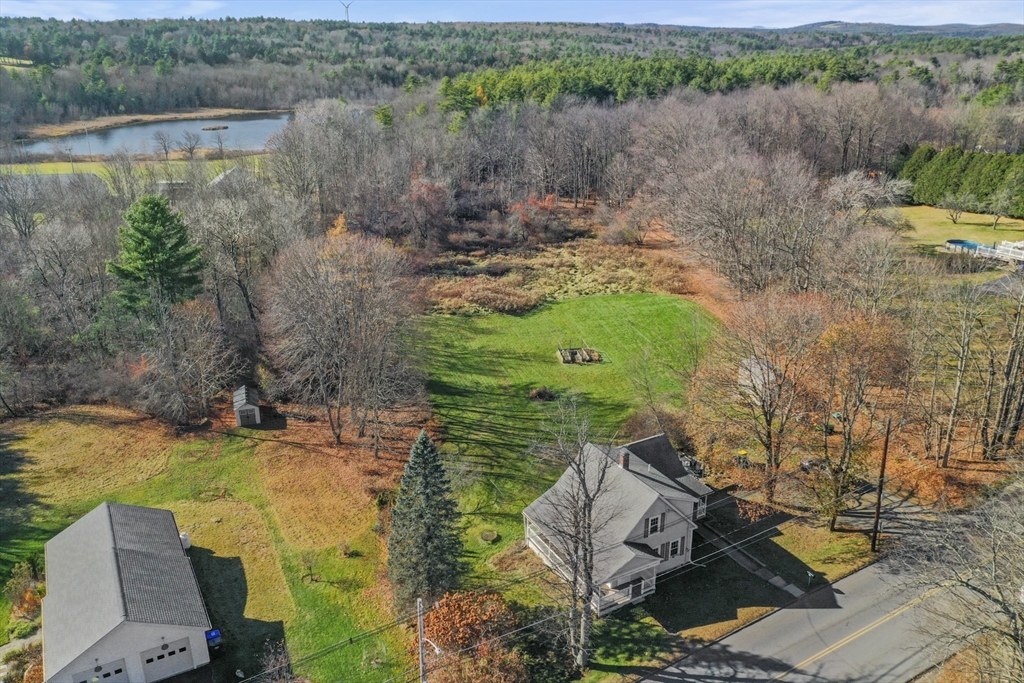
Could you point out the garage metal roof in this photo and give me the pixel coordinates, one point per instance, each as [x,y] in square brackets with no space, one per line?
[118,563]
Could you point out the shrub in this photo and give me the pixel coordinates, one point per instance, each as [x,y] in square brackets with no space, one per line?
[20,628]
[542,394]
[19,661]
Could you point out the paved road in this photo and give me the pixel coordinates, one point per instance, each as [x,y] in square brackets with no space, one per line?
[862,629]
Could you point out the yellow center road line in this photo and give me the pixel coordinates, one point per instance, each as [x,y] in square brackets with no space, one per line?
[857,634]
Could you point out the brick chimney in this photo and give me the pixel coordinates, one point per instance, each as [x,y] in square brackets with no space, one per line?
[624,459]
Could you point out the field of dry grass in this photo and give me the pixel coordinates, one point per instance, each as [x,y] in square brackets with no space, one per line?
[518,282]
[100,449]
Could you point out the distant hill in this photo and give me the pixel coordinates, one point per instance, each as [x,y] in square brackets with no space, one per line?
[949,30]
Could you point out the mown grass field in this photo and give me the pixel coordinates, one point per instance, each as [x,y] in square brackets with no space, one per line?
[213,166]
[228,491]
[482,368]
[932,227]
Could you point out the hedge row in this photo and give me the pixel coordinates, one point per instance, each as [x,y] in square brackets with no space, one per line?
[952,171]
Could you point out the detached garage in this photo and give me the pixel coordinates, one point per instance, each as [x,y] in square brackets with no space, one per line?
[122,603]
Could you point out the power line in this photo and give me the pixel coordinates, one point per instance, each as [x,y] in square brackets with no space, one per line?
[683,569]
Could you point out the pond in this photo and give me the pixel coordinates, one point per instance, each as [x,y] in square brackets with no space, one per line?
[243,132]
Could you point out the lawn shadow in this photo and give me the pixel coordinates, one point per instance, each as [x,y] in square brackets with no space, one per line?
[225,590]
[22,530]
[270,421]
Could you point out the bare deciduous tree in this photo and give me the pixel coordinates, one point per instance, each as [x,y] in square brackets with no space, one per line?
[190,363]
[977,559]
[190,143]
[164,143]
[856,361]
[338,307]
[752,385]
[581,505]
[22,199]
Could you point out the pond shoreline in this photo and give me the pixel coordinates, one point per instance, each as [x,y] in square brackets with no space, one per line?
[58,130]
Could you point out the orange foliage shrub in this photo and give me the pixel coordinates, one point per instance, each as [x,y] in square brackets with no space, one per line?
[461,624]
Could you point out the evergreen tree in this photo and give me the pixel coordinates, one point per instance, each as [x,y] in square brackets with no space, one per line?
[916,163]
[941,176]
[157,264]
[425,547]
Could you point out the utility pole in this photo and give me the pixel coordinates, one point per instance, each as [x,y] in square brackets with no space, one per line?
[881,483]
[423,642]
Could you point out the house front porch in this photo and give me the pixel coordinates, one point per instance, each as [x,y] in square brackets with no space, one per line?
[624,590]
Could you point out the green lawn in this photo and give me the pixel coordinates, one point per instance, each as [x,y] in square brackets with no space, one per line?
[238,496]
[932,227]
[252,578]
[481,369]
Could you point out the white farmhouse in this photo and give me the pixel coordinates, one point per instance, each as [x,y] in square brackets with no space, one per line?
[122,603]
[643,521]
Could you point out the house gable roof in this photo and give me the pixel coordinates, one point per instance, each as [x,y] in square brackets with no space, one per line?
[118,563]
[665,472]
[628,495]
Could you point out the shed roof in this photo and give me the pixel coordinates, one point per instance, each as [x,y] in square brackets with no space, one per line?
[245,395]
[118,563]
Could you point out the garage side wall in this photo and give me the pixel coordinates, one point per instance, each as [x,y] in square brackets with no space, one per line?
[127,641]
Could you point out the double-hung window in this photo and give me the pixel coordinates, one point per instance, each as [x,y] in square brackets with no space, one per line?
[653,525]
[673,548]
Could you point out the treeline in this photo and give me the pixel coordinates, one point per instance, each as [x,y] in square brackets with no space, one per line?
[427,182]
[626,78]
[992,183]
[86,69]
[472,45]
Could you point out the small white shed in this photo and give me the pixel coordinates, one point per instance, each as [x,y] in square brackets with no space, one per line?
[247,406]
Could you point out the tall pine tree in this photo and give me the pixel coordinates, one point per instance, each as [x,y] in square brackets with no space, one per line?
[425,547]
[157,264]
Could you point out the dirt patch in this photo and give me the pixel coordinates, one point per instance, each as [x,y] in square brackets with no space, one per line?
[515,557]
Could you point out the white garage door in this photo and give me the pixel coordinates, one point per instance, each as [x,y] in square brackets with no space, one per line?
[166,660]
[113,672]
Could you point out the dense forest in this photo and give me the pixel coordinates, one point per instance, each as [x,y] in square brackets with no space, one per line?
[83,69]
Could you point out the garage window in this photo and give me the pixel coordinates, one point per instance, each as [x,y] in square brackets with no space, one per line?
[181,649]
[160,657]
[171,653]
[117,671]
[149,661]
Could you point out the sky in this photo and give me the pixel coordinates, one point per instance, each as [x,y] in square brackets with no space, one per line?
[723,13]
